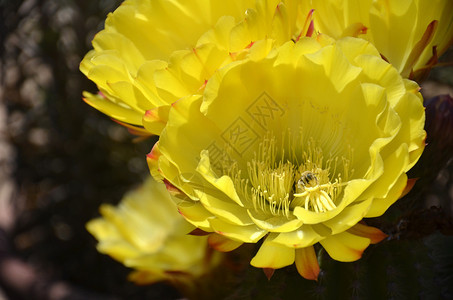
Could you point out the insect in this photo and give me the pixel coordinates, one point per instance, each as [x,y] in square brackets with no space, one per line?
[307,179]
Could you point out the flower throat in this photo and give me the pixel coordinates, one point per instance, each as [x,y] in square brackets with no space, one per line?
[279,182]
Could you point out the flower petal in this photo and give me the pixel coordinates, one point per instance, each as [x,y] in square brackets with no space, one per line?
[380,205]
[345,246]
[349,216]
[307,263]
[117,112]
[303,237]
[246,234]
[154,120]
[195,213]
[221,243]
[273,256]
[374,234]
[227,211]
[274,223]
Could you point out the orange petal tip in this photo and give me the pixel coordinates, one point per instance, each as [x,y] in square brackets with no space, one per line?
[409,185]
[307,263]
[374,234]
[173,190]
[222,243]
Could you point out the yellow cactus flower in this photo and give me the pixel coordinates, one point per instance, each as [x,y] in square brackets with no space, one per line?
[294,148]
[145,232]
[410,34]
[152,53]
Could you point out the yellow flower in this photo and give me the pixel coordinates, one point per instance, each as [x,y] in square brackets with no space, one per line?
[295,148]
[410,34]
[152,53]
[145,232]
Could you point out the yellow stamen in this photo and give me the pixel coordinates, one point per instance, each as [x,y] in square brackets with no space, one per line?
[277,183]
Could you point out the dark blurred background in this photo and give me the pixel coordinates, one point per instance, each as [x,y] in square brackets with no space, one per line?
[60,159]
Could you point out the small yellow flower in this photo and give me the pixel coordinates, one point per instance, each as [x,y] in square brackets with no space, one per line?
[410,34]
[145,232]
[295,148]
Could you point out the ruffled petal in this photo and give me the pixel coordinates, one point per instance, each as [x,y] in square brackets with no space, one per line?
[246,234]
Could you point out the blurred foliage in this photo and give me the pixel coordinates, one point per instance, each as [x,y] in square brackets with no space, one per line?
[69,159]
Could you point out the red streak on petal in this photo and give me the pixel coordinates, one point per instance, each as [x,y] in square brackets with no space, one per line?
[135,130]
[155,153]
[204,85]
[419,47]
[249,45]
[364,30]
[198,232]
[150,115]
[308,23]
[268,272]
[384,58]
[184,217]
[311,29]
[171,188]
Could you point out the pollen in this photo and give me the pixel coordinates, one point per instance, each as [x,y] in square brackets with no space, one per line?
[279,181]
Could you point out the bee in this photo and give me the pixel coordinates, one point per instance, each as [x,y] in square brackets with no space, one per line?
[307,179]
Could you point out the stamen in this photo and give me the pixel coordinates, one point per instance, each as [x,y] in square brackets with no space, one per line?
[278,183]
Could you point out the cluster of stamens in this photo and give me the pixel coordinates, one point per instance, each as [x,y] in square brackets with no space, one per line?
[279,182]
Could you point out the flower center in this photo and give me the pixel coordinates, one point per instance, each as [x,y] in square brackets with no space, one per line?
[278,182]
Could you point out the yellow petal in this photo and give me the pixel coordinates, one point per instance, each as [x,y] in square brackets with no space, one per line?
[303,237]
[246,234]
[273,256]
[227,211]
[196,214]
[224,183]
[394,164]
[274,223]
[120,113]
[380,205]
[345,246]
[336,66]
[349,216]
[154,120]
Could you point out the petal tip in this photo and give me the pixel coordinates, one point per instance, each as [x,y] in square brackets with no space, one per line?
[269,273]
